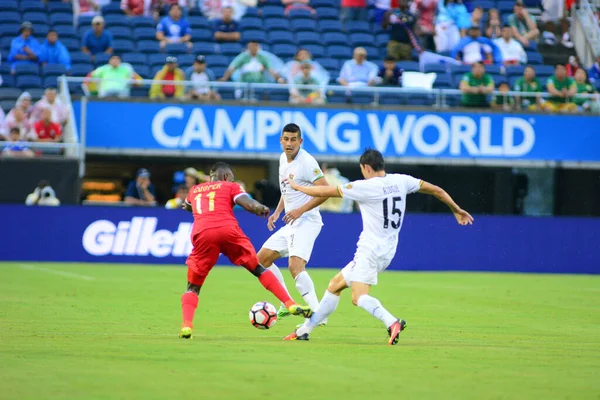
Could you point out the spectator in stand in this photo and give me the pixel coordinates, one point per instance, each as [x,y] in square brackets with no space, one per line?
[60,112]
[24,103]
[358,71]
[115,78]
[24,49]
[97,40]
[585,87]
[401,20]
[226,29]
[572,66]
[174,28]
[212,9]
[476,86]
[43,195]
[501,100]
[170,72]
[353,10]
[335,179]
[528,83]
[556,11]
[299,93]
[524,25]
[425,10]
[389,73]
[512,51]
[201,76]
[45,129]
[137,8]
[452,22]
[594,71]
[17,119]
[88,8]
[252,64]
[474,48]
[381,7]
[193,177]
[16,148]
[296,5]
[175,203]
[54,52]
[477,17]
[562,89]
[141,191]
[493,27]
[293,68]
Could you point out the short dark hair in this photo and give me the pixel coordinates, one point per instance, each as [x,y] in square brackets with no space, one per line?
[220,166]
[504,83]
[559,65]
[292,128]
[175,5]
[506,26]
[373,158]
[15,129]
[390,58]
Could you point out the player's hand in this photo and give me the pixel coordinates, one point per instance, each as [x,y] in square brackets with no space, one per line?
[463,217]
[264,213]
[293,184]
[271,221]
[293,215]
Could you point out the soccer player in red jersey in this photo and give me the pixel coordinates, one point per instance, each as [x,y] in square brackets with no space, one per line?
[216,231]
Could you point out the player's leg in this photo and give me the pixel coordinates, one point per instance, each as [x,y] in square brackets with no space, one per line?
[274,248]
[301,243]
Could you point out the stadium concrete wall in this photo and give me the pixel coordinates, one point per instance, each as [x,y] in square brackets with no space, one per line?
[428,242]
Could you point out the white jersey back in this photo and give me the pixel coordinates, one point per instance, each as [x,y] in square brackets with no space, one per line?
[303,170]
[382,202]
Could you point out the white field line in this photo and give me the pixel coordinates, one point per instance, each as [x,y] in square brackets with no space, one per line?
[56,272]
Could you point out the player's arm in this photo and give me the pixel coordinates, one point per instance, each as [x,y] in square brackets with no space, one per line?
[252,206]
[316,201]
[322,190]
[275,216]
[463,217]
[186,206]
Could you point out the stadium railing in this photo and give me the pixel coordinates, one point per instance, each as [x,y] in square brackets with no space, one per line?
[586,31]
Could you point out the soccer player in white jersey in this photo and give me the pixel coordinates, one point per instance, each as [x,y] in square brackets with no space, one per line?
[382,201]
[303,221]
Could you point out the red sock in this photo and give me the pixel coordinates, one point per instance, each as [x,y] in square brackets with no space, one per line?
[270,282]
[189,303]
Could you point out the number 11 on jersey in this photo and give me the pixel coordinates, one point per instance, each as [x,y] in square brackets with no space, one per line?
[211,202]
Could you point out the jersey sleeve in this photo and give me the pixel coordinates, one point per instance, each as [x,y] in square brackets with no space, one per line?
[412,184]
[357,190]
[188,198]
[312,171]
[236,192]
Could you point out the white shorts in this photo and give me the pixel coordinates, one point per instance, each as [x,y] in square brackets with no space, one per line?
[365,267]
[295,240]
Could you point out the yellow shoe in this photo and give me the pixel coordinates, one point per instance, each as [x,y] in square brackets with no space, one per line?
[297,309]
[186,333]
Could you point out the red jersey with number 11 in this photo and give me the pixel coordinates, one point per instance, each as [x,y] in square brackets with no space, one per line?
[212,204]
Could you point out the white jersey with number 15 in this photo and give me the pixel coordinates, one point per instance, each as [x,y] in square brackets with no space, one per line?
[382,202]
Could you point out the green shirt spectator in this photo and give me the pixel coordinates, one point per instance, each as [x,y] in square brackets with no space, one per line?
[476,86]
[585,87]
[115,77]
[528,83]
[566,83]
[501,100]
[562,90]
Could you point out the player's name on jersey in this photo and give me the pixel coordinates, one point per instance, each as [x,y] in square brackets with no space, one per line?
[137,237]
[206,188]
[390,189]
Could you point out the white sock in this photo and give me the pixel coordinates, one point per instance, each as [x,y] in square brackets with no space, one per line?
[275,270]
[374,307]
[328,304]
[306,287]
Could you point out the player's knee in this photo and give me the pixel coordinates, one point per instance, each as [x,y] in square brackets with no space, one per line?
[355,297]
[267,257]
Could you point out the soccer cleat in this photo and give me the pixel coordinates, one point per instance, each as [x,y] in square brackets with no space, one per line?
[186,333]
[297,309]
[282,312]
[293,336]
[322,323]
[394,331]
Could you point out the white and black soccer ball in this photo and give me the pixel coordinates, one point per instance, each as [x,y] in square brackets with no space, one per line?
[263,315]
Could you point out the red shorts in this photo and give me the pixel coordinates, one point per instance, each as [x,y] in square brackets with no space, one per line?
[210,243]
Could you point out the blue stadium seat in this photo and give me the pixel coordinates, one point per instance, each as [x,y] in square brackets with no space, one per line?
[80,69]
[515,70]
[329,63]
[316,50]
[27,69]
[116,20]
[32,6]
[148,46]
[101,59]
[56,7]
[443,81]
[282,37]
[532,47]
[505,7]
[408,65]
[485,4]
[306,38]
[284,51]
[53,70]
[9,6]
[493,69]
[198,22]
[10,16]
[254,36]
[251,12]
[231,49]
[85,20]
[134,58]
[341,52]
[123,46]
[498,78]
[544,70]
[362,39]
[156,60]
[249,23]
[41,30]
[597,85]
[112,8]
[147,22]
[460,69]
[142,70]
[534,58]
[359,27]
[219,71]
[328,13]
[382,39]
[5,68]
[335,38]
[276,24]
[330,25]
[437,68]
[176,49]
[300,13]
[28,81]
[121,32]
[186,59]
[372,52]
[272,12]
[65,32]
[8,80]
[79,57]
[144,33]
[9,29]
[512,80]
[82,30]
[304,25]
[202,35]
[35,18]
[217,61]
[377,29]
[9,93]
[5,43]
[324,3]
[50,81]
[204,48]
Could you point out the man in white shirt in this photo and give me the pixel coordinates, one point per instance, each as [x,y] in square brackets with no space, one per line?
[60,112]
[382,201]
[303,221]
[512,51]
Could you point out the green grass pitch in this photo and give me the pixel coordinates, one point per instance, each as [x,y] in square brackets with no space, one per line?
[94,331]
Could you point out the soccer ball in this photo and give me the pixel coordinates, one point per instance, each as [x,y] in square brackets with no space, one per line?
[263,315]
